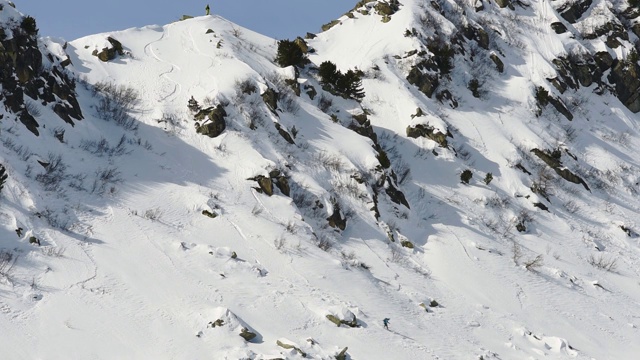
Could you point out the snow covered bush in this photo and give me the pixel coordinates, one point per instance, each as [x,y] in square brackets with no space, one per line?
[116,103]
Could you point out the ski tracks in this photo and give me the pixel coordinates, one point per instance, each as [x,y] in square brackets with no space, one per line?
[149,51]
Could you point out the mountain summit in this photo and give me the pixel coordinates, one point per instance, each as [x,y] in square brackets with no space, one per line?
[466,171]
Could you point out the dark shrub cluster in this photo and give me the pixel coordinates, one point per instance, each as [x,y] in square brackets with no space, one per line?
[347,85]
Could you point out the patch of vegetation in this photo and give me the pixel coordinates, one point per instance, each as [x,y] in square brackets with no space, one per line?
[347,85]
[289,53]
[28,24]
[466,176]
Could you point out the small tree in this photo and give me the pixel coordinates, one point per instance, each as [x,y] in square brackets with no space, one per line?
[289,53]
[329,73]
[350,85]
[28,24]
[466,176]
[488,178]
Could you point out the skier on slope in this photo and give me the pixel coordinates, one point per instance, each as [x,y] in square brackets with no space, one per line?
[207,9]
[385,321]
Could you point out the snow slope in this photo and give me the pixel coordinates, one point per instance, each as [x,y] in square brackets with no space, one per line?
[129,268]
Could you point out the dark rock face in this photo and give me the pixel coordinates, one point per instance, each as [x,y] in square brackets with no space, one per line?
[573,11]
[270,97]
[110,53]
[478,34]
[266,183]
[216,124]
[24,71]
[336,220]
[285,135]
[626,77]
[430,132]
[425,82]
[555,163]
[559,27]
[396,195]
[499,64]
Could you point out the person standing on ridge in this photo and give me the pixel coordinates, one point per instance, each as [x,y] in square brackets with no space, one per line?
[386,323]
[207,9]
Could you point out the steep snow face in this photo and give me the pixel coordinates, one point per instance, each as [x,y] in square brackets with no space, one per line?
[152,240]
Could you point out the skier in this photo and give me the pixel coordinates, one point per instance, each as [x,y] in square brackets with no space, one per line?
[207,9]
[385,321]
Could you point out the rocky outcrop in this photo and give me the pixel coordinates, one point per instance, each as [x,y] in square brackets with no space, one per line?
[573,10]
[626,77]
[553,161]
[213,121]
[285,134]
[362,126]
[424,80]
[247,335]
[286,344]
[558,27]
[336,220]
[499,64]
[265,183]
[424,130]
[270,97]
[478,34]
[110,52]
[25,71]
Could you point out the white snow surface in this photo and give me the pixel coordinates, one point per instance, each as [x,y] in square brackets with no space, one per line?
[135,271]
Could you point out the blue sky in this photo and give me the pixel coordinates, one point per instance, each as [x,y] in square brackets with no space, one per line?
[71,19]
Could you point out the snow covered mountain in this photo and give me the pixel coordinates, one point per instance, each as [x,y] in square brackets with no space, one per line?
[200,191]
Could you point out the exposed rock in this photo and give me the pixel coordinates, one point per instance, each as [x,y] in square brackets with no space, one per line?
[478,34]
[626,77]
[270,97]
[310,36]
[285,134]
[445,96]
[362,126]
[109,53]
[503,3]
[294,85]
[396,195]
[283,184]
[604,60]
[302,44]
[612,29]
[247,335]
[553,161]
[214,121]
[334,319]
[499,64]
[336,220]
[311,91]
[342,355]
[406,243]
[209,214]
[329,25]
[559,105]
[265,183]
[283,343]
[559,27]
[423,130]
[424,81]
[572,11]
[22,72]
